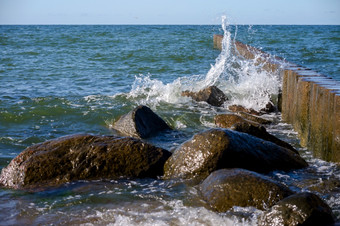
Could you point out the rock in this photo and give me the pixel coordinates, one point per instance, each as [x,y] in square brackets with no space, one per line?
[261,132]
[226,188]
[239,108]
[227,120]
[254,118]
[141,122]
[268,108]
[212,95]
[298,209]
[83,157]
[221,148]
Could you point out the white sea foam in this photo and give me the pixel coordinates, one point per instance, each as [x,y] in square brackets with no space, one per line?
[242,80]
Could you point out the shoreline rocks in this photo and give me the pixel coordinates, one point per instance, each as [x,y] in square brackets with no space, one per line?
[226,188]
[222,148]
[141,122]
[83,157]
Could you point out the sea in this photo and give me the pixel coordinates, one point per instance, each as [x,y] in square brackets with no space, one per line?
[57,80]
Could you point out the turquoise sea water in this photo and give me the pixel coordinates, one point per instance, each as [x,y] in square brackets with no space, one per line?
[61,80]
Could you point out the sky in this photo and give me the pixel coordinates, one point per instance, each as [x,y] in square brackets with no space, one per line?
[169,11]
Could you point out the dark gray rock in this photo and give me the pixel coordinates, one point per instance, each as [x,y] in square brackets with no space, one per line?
[260,132]
[226,188]
[221,148]
[141,122]
[268,108]
[83,157]
[298,209]
[212,95]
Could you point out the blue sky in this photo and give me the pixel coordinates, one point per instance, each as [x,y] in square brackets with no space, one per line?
[169,11]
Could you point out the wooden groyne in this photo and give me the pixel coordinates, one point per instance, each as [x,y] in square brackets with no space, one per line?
[310,101]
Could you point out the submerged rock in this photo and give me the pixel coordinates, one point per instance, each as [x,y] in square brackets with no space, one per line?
[221,148]
[226,188]
[298,209]
[83,157]
[212,95]
[261,132]
[141,122]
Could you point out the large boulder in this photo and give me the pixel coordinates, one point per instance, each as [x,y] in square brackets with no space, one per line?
[83,157]
[212,95]
[221,148]
[227,120]
[226,188]
[298,209]
[261,132]
[141,122]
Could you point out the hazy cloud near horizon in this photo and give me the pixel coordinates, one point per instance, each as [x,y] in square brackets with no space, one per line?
[169,12]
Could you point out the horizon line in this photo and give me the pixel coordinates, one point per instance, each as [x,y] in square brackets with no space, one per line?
[108,24]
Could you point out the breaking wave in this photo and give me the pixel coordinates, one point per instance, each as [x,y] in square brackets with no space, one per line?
[242,80]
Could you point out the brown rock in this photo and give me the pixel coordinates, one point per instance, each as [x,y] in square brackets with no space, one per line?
[212,95]
[239,108]
[298,209]
[141,122]
[83,157]
[227,120]
[254,118]
[221,148]
[226,188]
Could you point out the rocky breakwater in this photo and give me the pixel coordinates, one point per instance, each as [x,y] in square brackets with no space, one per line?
[309,101]
[224,164]
[229,170]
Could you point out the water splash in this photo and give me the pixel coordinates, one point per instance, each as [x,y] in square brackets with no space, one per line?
[244,81]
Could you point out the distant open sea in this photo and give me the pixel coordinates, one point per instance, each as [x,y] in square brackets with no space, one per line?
[60,80]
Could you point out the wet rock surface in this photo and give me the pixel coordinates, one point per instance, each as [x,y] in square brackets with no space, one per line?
[212,95]
[239,108]
[254,118]
[227,120]
[226,188]
[141,122]
[298,209]
[261,132]
[83,157]
[221,148]
[269,108]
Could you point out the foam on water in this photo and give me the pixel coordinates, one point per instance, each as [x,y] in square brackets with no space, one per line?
[242,80]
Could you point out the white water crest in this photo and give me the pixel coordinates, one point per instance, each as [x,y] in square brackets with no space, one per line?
[242,80]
